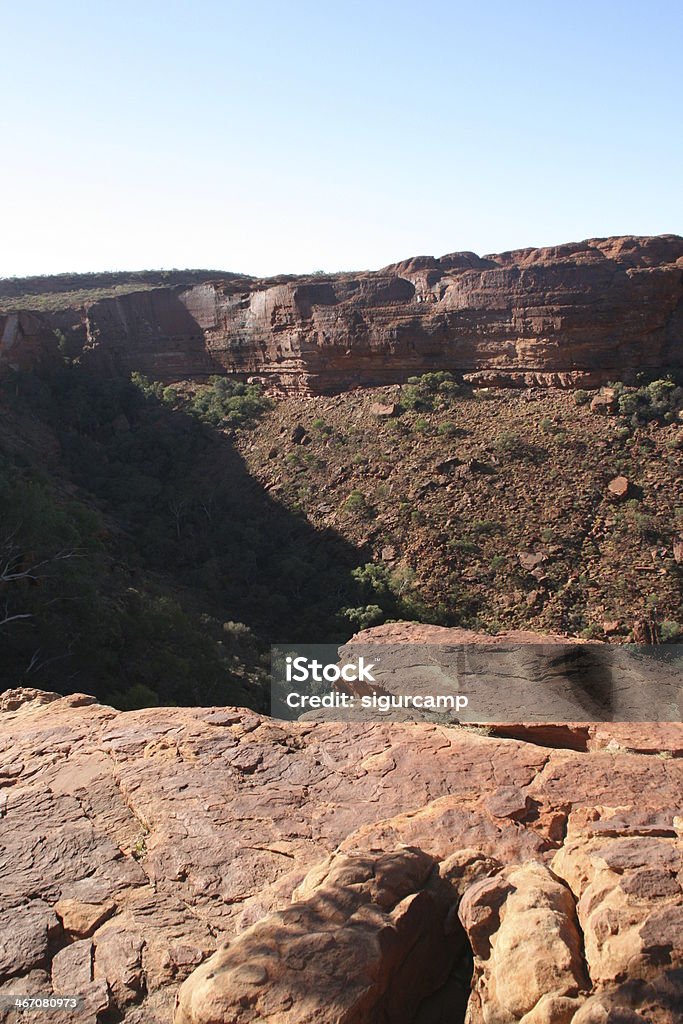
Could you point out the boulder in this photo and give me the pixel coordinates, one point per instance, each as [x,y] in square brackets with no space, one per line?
[299,434]
[383,410]
[605,402]
[619,488]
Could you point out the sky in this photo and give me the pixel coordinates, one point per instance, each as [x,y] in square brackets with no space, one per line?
[269,136]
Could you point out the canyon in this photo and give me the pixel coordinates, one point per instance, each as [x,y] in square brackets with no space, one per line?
[578,314]
[209,864]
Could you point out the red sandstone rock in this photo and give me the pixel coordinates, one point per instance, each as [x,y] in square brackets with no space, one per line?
[81,919]
[382,410]
[27,342]
[570,315]
[512,678]
[531,559]
[678,550]
[528,943]
[618,488]
[605,403]
[332,857]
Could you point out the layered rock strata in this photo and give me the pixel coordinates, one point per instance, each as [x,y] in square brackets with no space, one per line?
[575,314]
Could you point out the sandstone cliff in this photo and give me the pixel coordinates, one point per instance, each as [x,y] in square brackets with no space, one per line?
[578,314]
[350,873]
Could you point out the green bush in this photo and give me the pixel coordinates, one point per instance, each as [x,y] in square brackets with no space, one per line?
[320,427]
[462,545]
[229,403]
[357,504]
[486,527]
[149,388]
[671,632]
[659,401]
[430,391]
[628,404]
[364,617]
[506,443]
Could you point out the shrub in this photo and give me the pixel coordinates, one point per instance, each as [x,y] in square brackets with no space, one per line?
[229,403]
[581,397]
[628,404]
[671,632]
[486,527]
[364,617]
[429,391]
[660,391]
[320,427]
[149,388]
[506,443]
[356,504]
[658,401]
[645,525]
[447,429]
[462,545]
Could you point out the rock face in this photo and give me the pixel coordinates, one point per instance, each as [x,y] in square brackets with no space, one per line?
[27,342]
[512,680]
[581,313]
[209,864]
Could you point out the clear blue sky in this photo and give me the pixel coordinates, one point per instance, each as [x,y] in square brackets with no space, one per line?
[268,136]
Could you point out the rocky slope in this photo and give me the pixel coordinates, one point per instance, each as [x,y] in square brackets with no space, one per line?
[344,872]
[495,506]
[578,313]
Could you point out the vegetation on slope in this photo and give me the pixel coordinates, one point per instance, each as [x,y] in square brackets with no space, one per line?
[494,503]
[143,563]
[67,291]
[155,541]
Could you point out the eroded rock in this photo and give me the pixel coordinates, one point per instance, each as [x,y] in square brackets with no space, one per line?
[572,315]
[197,827]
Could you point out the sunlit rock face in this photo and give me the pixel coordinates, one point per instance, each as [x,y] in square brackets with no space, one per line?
[575,314]
[212,864]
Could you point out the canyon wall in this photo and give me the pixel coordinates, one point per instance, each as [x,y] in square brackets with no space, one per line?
[576,314]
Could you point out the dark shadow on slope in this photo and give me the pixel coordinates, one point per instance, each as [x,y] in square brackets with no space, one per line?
[161,563]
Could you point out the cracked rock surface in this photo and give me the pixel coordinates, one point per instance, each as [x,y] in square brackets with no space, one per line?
[247,869]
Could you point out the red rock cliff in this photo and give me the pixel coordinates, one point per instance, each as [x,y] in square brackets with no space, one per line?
[579,313]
